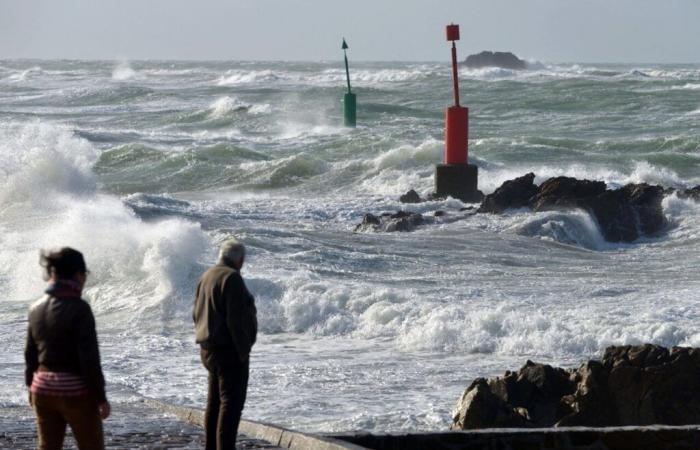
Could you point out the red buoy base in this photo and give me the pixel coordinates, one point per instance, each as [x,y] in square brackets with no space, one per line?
[456,135]
[458,181]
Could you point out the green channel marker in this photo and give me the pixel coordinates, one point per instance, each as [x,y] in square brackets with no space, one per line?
[349,100]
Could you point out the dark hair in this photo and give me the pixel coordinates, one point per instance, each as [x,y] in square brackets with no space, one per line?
[64,263]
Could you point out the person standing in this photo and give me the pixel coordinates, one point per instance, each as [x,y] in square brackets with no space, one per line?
[63,371]
[225,327]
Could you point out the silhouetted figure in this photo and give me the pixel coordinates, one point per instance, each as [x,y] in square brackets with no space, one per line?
[63,372]
[226,326]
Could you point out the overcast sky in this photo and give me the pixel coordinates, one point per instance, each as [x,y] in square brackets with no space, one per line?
[311,30]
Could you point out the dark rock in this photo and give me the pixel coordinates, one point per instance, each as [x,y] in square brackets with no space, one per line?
[399,221]
[439,213]
[512,194]
[692,193]
[410,197]
[633,385]
[623,215]
[559,192]
[505,60]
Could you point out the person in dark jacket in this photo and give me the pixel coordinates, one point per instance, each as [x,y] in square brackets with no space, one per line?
[63,372]
[225,327]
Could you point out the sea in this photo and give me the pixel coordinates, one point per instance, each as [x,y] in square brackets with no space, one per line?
[147,166]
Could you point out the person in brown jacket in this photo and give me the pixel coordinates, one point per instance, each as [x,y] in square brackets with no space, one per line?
[225,327]
[63,372]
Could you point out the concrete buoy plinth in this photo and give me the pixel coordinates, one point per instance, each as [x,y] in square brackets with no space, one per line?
[456,177]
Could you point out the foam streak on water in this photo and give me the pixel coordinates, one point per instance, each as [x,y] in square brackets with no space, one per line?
[147,166]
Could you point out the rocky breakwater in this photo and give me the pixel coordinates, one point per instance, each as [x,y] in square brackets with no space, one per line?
[623,215]
[632,385]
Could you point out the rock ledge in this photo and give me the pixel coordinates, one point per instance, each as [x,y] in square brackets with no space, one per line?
[632,385]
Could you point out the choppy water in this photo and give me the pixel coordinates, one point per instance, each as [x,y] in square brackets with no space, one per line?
[147,166]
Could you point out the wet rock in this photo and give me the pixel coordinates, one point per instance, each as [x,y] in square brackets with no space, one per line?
[692,193]
[632,385]
[512,194]
[410,197]
[388,222]
[624,215]
[628,213]
[560,192]
[505,60]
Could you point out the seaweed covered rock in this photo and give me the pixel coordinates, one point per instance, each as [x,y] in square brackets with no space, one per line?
[632,385]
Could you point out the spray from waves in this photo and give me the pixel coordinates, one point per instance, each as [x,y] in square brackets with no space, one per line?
[236,77]
[380,76]
[331,77]
[50,200]
[402,168]
[123,71]
[38,160]
[23,75]
[684,215]
[640,172]
[226,105]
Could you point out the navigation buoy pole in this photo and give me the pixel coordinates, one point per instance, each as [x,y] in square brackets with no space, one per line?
[349,100]
[456,177]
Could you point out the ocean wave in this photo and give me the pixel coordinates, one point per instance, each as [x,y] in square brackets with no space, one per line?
[50,199]
[282,172]
[576,228]
[39,160]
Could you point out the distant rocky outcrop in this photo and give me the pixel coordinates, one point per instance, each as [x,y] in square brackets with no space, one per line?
[624,214]
[505,60]
[632,385]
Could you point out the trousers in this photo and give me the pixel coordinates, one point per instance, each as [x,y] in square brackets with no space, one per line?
[80,412]
[228,384]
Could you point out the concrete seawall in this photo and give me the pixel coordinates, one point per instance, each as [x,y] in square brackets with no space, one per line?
[573,438]
[624,438]
[275,435]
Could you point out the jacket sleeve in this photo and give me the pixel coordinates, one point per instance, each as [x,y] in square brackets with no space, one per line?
[89,355]
[241,315]
[31,358]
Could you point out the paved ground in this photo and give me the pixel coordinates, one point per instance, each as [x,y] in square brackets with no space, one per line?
[131,426]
